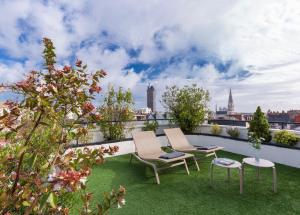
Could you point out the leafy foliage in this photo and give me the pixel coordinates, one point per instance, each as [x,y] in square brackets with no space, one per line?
[286,137]
[216,129]
[36,170]
[259,126]
[150,125]
[255,140]
[233,132]
[187,106]
[2,135]
[116,112]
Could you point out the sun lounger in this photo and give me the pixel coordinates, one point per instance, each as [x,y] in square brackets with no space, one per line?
[148,151]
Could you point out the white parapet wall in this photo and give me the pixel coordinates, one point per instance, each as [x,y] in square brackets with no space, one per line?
[286,156]
[95,135]
[206,129]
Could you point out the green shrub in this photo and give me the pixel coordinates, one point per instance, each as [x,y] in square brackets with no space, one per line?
[286,138]
[255,140]
[259,126]
[216,129]
[116,111]
[233,132]
[39,174]
[150,125]
[187,106]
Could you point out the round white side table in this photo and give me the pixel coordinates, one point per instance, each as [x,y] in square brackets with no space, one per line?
[234,165]
[261,163]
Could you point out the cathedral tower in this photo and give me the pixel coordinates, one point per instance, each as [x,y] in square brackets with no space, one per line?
[230,103]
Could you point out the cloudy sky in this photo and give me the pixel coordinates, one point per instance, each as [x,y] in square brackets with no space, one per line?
[251,46]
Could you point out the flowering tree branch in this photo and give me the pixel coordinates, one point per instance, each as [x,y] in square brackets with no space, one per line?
[35,169]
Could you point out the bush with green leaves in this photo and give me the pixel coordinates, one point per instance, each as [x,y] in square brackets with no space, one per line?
[259,126]
[187,106]
[150,125]
[116,113]
[233,132]
[216,129]
[37,171]
[286,138]
[2,135]
[255,141]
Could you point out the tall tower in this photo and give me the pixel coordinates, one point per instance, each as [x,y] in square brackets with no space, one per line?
[230,102]
[151,98]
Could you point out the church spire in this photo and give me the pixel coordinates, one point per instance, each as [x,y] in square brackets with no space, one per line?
[230,102]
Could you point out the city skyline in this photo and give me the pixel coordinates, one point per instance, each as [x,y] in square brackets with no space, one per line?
[251,47]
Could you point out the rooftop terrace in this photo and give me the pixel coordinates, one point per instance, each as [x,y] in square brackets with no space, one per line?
[180,193]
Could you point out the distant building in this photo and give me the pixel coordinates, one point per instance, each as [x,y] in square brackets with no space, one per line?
[275,116]
[142,113]
[230,102]
[247,116]
[229,113]
[221,114]
[297,119]
[293,115]
[284,120]
[151,98]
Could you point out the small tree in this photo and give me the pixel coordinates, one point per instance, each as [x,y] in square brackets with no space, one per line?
[37,173]
[259,125]
[187,106]
[116,112]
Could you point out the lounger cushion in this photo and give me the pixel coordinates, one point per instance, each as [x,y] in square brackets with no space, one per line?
[172,155]
[206,147]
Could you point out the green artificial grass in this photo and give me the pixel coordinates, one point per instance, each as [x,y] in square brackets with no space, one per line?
[180,193]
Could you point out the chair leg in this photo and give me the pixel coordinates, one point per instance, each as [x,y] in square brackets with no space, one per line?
[156,175]
[274,180]
[241,174]
[258,173]
[196,163]
[211,173]
[215,154]
[186,167]
[228,175]
[130,161]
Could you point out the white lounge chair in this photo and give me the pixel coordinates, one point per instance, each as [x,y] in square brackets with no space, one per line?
[148,150]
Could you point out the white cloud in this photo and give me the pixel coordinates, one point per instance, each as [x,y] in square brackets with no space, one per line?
[260,36]
[11,72]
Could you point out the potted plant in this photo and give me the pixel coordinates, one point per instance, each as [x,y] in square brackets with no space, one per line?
[256,142]
[260,125]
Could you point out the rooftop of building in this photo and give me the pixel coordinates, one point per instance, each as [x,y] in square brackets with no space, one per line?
[180,193]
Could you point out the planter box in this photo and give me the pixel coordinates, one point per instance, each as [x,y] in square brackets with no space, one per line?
[206,129]
[286,156]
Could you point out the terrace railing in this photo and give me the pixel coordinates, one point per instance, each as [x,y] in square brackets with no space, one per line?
[97,138]
[242,123]
[273,124]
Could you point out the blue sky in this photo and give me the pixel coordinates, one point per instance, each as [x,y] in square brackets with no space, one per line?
[251,46]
